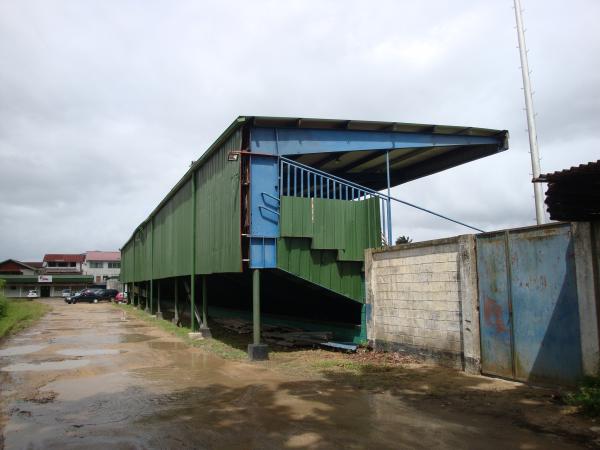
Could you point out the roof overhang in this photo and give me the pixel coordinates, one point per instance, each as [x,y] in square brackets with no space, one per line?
[358,150]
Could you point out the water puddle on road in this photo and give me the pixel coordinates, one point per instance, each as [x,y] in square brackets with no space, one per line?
[21,350]
[160,345]
[88,352]
[99,339]
[48,365]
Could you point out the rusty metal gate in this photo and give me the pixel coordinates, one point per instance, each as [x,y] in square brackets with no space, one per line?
[529,314]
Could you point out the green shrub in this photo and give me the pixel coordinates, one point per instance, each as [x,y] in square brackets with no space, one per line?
[3,301]
[587,396]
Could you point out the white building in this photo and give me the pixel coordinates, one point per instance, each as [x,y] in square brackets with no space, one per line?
[102,265]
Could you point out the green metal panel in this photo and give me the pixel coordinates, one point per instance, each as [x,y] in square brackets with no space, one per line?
[321,267]
[323,241]
[218,239]
[296,221]
[172,232]
[347,226]
[126,274]
[19,279]
[143,241]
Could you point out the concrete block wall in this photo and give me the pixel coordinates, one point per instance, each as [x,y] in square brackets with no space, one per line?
[416,296]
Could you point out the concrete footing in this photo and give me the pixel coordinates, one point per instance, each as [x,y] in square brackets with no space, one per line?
[258,352]
[195,336]
[205,332]
[159,315]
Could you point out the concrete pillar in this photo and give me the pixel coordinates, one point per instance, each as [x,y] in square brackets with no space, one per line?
[587,296]
[469,308]
[256,350]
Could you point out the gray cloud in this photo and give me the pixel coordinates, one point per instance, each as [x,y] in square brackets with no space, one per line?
[104,104]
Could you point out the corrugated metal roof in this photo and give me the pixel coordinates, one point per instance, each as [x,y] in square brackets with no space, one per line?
[591,168]
[573,194]
[24,264]
[64,257]
[366,125]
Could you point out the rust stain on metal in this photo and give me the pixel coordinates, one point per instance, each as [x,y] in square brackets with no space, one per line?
[492,312]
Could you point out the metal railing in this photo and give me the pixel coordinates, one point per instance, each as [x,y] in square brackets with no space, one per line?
[299,180]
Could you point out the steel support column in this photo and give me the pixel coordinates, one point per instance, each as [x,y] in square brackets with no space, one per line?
[389,203]
[256,306]
[151,266]
[204,303]
[256,350]
[193,274]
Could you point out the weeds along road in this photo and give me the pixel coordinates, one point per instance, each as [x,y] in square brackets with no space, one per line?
[86,377]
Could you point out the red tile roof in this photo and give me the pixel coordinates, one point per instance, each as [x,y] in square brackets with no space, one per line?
[64,257]
[35,264]
[103,256]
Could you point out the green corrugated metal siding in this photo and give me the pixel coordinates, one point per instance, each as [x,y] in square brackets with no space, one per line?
[323,241]
[348,226]
[143,241]
[126,274]
[321,267]
[218,239]
[172,235]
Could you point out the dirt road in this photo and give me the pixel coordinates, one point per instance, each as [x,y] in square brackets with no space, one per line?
[86,377]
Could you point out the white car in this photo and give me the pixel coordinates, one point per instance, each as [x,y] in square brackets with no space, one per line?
[32,294]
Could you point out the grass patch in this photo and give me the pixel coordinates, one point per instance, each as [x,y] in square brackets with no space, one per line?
[587,396]
[20,314]
[363,369]
[231,349]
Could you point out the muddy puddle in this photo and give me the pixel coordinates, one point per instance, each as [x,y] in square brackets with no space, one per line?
[161,345]
[94,339]
[89,352]
[21,349]
[47,365]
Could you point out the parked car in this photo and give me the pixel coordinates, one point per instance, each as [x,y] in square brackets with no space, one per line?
[121,297]
[88,295]
[107,294]
[32,294]
[66,293]
[69,298]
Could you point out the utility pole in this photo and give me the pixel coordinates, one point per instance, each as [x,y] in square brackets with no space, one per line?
[533,145]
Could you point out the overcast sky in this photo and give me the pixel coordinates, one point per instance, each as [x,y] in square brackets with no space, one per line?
[103,104]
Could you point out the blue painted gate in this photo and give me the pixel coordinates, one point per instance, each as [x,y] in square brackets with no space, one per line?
[529,316]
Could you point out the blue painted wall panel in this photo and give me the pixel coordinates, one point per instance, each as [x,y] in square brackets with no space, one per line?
[495,326]
[545,306]
[264,211]
[529,312]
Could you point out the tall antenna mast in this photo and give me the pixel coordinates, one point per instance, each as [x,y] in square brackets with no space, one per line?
[533,145]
